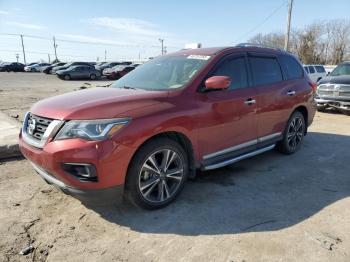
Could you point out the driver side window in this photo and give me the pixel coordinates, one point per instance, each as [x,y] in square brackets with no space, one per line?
[236,69]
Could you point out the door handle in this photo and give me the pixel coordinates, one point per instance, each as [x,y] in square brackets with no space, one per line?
[291,93]
[250,101]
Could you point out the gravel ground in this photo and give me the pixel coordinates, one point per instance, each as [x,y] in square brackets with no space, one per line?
[268,208]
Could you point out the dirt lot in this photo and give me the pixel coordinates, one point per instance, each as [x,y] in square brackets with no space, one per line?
[268,208]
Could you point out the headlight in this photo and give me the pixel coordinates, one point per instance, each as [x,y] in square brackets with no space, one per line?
[91,129]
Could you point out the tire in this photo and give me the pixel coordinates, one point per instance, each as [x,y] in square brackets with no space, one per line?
[152,183]
[66,77]
[293,134]
[92,76]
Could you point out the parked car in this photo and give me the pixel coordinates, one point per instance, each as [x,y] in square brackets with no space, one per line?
[315,72]
[35,67]
[79,72]
[147,133]
[118,71]
[14,67]
[56,68]
[110,65]
[334,90]
[48,69]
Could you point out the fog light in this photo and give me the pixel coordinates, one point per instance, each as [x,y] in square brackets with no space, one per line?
[84,172]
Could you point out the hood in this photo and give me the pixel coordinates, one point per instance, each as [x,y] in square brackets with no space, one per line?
[97,103]
[343,79]
[56,68]
[61,71]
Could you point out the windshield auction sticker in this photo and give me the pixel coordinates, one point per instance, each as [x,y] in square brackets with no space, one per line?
[200,57]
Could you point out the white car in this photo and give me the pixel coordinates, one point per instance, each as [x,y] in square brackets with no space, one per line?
[315,72]
[35,67]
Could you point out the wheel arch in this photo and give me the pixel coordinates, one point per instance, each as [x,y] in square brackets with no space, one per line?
[178,137]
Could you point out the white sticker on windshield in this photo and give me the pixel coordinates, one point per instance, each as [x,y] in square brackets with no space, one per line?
[200,57]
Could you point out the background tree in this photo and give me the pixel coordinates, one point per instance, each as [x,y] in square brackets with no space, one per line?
[324,42]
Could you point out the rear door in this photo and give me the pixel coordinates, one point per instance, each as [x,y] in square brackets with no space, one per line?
[229,126]
[274,98]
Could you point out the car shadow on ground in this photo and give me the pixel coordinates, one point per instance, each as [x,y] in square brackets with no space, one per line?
[265,193]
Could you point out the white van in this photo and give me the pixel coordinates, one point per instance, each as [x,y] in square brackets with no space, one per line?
[315,72]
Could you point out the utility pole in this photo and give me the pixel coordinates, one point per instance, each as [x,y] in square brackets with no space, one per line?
[289,17]
[55,47]
[162,42]
[17,56]
[48,55]
[24,53]
[105,55]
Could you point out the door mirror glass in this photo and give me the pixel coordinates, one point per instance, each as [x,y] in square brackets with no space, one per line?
[217,83]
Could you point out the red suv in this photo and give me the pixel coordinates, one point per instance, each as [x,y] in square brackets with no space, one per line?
[193,109]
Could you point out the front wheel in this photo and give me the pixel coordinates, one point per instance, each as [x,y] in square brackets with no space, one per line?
[293,134]
[157,174]
[92,76]
[67,77]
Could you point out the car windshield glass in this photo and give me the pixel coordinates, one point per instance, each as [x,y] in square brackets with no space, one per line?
[164,73]
[343,69]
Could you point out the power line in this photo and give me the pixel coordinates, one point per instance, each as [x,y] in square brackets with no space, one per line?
[262,22]
[82,42]
[39,53]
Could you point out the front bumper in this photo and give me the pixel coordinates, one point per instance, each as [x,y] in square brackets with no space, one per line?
[110,159]
[337,104]
[90,196]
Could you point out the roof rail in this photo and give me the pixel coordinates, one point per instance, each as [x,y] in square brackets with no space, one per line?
[257,45]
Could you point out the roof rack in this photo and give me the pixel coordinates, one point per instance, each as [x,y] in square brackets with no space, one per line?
[257,45]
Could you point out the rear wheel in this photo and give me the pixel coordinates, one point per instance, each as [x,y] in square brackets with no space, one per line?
[293,134]
[157,174]
[67,77]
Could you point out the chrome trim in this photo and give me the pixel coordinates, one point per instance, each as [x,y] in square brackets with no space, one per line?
[48,177]
[291,93]
[51,131]
[268,137]
[243,145]
[230,149]
[239,158]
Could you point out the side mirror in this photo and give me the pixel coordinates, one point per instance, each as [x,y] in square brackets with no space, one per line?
[217,83]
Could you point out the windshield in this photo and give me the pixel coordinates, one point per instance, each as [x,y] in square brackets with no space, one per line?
[343,69]
[163,73]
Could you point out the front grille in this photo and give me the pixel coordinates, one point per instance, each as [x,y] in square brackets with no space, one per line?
[37,126]
[325,93]
[334,90]
[344,91]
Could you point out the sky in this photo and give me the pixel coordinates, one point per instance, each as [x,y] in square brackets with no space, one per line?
[88,30]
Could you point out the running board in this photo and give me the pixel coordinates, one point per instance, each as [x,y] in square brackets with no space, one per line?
[239,158]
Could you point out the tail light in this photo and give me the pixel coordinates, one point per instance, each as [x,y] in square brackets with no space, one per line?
[313,86]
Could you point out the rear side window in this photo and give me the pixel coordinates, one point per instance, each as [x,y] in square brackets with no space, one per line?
[320,69]
[266,70]
[291,67]
[236,69]
[311,69]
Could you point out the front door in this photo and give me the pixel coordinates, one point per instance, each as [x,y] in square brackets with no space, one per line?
[228,126]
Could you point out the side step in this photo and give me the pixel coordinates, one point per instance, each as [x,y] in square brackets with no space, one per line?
[239,158]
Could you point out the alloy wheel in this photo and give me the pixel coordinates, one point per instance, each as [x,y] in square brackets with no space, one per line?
[161,175]
[295,132]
